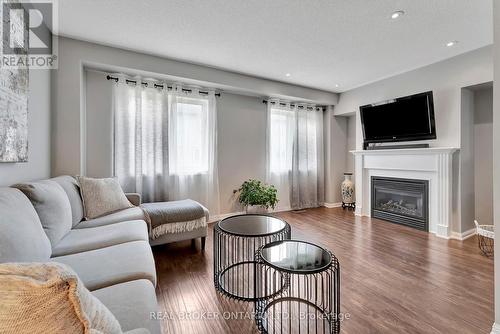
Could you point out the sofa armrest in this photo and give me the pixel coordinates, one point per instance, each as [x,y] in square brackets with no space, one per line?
[134,198]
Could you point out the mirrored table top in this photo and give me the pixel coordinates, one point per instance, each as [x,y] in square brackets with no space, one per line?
[296,256]
[252,225]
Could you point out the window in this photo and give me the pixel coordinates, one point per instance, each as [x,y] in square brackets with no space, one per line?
[188,145]
[282,127]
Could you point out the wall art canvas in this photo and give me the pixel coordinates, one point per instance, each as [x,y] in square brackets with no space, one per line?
[14,88]
[14,115]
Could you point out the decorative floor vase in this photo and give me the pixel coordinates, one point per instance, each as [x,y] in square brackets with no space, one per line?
[347,188]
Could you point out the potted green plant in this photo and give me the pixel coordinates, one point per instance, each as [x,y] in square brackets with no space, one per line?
[257,196]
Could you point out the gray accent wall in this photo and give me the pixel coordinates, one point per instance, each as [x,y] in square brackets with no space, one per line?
[241,137]
[351,143]
[496,155]
[335,136]
[241,132]
[452,109]
[483,155]
[39,116]
[99,125]
[476,156]
[466,162]
[69,85]
[445,79]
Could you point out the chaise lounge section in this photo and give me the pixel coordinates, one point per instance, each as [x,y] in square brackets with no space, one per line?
[43,222]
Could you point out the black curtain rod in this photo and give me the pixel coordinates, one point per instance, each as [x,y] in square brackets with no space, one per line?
[156,85]
[293,105]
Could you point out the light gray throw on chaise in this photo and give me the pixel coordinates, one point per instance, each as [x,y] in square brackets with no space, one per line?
[173,212]
[175,217]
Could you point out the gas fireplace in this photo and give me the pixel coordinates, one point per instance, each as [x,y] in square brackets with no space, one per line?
[401,201]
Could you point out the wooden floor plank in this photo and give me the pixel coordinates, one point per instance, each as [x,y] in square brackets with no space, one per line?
[394,279]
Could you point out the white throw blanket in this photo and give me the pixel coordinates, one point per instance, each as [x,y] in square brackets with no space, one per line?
[179,227]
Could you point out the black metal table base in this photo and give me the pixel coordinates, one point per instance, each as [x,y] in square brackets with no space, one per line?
[308,303]
[277,317]
[234,264]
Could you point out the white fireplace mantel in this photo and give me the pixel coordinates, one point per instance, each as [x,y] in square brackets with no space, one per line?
[431,164]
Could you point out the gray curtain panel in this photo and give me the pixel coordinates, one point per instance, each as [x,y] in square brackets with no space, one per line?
[295,157]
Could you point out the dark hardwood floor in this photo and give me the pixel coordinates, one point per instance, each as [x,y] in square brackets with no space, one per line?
[394,280]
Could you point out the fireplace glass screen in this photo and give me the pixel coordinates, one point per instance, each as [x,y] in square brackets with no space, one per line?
[401,201]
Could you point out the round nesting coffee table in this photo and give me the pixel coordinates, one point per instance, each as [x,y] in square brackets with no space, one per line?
[235,241]
[310,299]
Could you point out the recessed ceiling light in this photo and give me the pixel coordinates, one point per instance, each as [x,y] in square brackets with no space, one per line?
[397,14]
[336,85]
[288,75]
[451,43]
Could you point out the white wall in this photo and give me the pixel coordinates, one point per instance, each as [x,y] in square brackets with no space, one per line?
[483,155]
[38,165]
[445,79]
[496,154]
[69,86]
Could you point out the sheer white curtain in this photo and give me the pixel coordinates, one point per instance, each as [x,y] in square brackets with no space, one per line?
[140,132]
[280,137]
[295,163]
[165,143]
[192,149]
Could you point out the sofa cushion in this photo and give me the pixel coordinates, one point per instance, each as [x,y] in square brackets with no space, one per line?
[101,196]
[22,238]
[103,267]
[49,298]
[86,239]
[52,205]
[132,303]
[134,213]
[70,186]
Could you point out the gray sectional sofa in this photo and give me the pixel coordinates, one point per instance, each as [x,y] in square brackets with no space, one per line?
[43,221]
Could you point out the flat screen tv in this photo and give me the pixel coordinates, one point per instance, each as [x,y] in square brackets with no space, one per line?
[408,118]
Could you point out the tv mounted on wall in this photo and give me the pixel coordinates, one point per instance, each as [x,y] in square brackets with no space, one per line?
[408,118]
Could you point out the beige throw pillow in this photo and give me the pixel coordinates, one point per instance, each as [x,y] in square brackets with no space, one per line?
[50,298]
[101,196]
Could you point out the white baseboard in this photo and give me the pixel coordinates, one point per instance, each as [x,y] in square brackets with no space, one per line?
[281,209]
[332,205]
[216,218]
[464,235]
[495,329]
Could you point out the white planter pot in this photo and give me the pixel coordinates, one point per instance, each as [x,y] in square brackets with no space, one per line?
[256,209]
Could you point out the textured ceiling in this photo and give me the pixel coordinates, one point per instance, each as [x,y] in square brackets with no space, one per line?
[321,43]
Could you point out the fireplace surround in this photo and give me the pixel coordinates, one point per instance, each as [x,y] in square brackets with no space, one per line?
[401,201]
[433,164]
